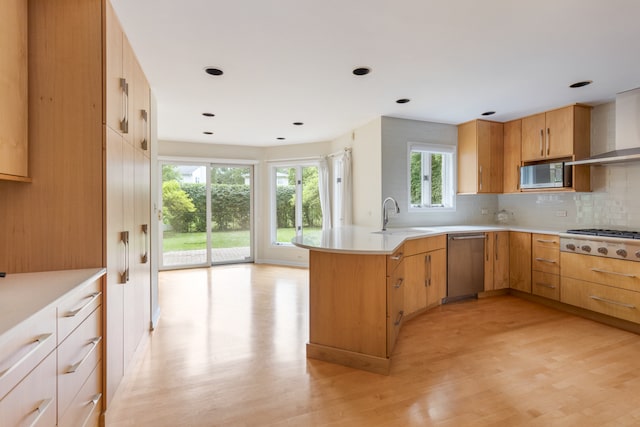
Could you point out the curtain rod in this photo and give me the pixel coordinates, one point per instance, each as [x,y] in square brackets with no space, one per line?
[339,152]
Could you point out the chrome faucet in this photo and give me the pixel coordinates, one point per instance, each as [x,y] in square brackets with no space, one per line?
[385,215]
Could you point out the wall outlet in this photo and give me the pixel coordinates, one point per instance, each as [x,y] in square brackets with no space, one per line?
[561,213]
[484,211]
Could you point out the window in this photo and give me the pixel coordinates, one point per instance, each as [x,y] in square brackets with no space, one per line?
[296,202]
[431,177]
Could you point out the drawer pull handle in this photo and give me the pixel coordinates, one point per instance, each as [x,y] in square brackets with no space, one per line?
[399,318]
[92,297]
[94,343]
[598,270]
[41,409]
[398,283]
[545,285]
[546,241]
[41,339]
[93,402]
[396,257]
[552,261]
[609,301]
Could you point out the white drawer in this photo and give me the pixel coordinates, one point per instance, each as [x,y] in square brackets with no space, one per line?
[24,346]
[86,407]
[33,401]
[77,305]
[78,355]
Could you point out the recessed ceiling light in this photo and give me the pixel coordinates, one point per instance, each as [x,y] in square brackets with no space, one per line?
[214,71]
[298,123]
[208,114]
[208,132]
[361,71]
[403,100]
[488,113]
[580,84]
[281,138]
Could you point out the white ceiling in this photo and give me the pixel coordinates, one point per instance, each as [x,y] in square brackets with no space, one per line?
[292,60]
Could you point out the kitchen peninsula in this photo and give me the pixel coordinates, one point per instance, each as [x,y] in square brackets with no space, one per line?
[364,283]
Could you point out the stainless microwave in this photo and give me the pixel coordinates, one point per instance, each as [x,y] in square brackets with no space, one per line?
[546,175]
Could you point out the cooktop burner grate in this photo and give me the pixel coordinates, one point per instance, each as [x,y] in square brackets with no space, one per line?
[606,233]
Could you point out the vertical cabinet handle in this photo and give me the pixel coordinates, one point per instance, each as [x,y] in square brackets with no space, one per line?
[399,318]
[486,246]
[495,245]
[518,177]
[548,140]
[144,144]
[480,177]
[124,123]
[144,258]
[541,138]
[124,238]
[427,268]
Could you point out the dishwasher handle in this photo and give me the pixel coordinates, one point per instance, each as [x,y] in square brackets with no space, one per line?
[467,237]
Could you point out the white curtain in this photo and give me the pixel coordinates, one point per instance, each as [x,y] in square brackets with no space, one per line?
[324,189]
[346,208]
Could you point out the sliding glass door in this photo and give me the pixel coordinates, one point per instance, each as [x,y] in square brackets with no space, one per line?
[207,214]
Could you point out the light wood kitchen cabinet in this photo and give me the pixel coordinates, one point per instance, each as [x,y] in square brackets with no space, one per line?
[512,156]
[545,265]
[480,157]
[425,269]
[89,198]
[395,306]
[436,276]
[520,261]
[14,156]
[555,134]
[496,260]
[50,346]
[356,308]
[604,285]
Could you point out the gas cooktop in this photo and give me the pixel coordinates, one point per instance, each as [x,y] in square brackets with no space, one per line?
[606,233]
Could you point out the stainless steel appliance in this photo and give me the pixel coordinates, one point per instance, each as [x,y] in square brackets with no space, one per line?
[617,244]
[465,266]
[546,175]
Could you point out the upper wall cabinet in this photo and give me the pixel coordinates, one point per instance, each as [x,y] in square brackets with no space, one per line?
[555,134]
[480,157]
[13,91]
[512,156]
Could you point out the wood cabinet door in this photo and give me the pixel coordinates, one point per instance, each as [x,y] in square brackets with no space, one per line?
[520,261]
[415,291]
[559,133]
[501,260]
[512,147]
[489,238]
[13,89]
[483,148]
[115,97]
[437,285]
[533,137]
[496,156]
[467,159]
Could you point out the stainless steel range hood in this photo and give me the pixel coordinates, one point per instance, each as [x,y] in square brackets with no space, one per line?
[627,132]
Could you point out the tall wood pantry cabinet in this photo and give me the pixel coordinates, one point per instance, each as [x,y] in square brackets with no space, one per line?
[88,202]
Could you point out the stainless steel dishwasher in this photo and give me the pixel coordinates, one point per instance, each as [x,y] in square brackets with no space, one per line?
[465,266]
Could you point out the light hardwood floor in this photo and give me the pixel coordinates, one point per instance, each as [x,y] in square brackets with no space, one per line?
[230,351]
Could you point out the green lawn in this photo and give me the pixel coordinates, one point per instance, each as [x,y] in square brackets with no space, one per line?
[221,239]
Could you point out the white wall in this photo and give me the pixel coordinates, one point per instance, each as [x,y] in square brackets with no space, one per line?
[613,202]
[396,134]
[264,251]
[366,144]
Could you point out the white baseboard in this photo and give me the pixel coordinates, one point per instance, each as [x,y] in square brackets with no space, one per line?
[282,262]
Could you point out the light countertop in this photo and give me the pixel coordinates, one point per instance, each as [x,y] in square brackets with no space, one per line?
[364,240]
[25,294]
